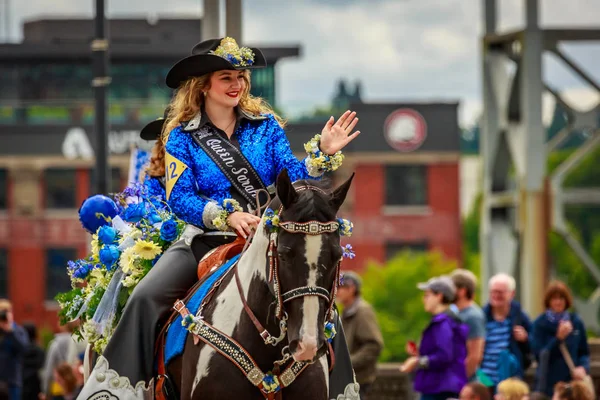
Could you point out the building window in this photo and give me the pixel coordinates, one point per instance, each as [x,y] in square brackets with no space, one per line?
[406,185]
[115,180]
[57,279]
[392,249]
[3,189]
[3,274]
[263,84]
[60,188]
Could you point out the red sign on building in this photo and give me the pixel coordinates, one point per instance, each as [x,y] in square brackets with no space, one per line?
[405,130]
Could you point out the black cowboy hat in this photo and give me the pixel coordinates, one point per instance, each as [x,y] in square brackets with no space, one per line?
[153,129]
[215,55]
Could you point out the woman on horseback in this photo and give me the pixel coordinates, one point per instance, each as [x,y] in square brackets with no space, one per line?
[222,149]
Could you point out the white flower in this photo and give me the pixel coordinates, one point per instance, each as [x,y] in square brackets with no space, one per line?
[128,259]
[89,331]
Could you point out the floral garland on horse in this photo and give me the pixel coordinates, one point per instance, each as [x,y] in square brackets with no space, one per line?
[130,231]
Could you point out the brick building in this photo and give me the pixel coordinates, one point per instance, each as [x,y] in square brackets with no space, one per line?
[405,193]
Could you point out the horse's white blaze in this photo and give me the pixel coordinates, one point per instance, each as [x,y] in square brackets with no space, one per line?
[325,367]
[310,308]
[229,308]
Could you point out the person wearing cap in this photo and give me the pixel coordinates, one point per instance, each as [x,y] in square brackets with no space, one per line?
[221,146]
[153,177]
[466,284]
[439,361]
[363,335]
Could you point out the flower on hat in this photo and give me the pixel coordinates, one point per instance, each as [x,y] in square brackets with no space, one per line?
[237,56]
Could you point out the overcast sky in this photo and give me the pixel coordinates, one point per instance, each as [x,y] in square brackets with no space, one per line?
[399,49]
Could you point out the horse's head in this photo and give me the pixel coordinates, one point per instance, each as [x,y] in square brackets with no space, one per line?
[308,261]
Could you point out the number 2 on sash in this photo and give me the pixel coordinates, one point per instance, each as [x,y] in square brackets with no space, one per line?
[172,168]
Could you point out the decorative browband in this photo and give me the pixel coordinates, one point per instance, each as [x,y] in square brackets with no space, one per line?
[310,227]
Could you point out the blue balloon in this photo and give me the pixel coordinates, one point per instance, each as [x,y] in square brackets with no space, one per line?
[95,211]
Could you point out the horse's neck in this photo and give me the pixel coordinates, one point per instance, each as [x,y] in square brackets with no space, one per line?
[252,262]
[253,277]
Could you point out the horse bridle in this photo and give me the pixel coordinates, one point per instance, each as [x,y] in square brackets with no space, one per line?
[312,228]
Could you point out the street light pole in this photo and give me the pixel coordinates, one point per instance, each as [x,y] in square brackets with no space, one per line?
[99,83]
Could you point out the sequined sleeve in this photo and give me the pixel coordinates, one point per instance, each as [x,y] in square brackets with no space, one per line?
[154,189]
[284,157]
[182,195]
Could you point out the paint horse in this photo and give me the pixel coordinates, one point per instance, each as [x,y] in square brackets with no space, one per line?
[261,335]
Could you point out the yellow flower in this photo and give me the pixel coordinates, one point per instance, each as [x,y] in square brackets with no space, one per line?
[275,220]
[220,223]
[146,249]
[98,277]
[95,246]
[134,234]
[128,258]
[87,290]
[100,345]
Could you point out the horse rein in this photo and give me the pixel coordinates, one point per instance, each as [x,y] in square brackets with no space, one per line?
[307,228]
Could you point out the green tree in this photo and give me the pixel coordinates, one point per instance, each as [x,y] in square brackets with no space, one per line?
[569,267]
[392,290]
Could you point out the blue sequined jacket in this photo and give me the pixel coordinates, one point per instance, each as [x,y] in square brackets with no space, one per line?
[198,192]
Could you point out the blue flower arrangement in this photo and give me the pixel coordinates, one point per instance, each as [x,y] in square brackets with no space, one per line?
[130,231]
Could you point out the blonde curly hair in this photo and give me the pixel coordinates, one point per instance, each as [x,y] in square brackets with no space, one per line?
[186,104]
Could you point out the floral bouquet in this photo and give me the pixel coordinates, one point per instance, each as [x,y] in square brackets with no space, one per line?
[130,231]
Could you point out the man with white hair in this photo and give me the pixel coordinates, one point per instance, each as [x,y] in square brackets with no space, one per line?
[507,350]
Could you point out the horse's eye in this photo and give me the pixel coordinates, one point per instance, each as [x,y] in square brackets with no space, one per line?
[284,252]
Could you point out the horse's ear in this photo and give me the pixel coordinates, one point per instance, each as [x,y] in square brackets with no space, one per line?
[285,190]
[339,195]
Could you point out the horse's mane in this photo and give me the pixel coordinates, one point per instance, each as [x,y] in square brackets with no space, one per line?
[313,204]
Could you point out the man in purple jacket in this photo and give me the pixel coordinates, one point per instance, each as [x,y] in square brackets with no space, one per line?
[440,362]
